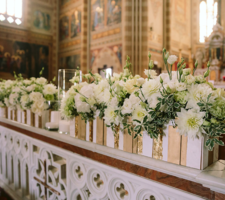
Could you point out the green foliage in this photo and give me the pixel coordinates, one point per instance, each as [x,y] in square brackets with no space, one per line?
[215,127]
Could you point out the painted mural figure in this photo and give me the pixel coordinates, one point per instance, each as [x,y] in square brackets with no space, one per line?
[75,24]
[114,12]
[64,27]
[22,57]
[105,13]
[41,20]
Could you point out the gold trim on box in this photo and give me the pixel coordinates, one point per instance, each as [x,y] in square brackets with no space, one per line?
[25,116]
[76,126]
[116,137]
[100,131]
[158,147]
[91,131]
[140,144]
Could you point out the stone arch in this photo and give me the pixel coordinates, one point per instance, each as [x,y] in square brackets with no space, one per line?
[106,56]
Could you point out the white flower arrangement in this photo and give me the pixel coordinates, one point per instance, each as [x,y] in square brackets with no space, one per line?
[189,101]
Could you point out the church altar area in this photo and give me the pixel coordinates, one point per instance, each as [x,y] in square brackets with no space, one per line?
[39,164]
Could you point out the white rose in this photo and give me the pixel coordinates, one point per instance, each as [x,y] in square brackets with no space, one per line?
[165,77]
[49,89]
[140,81]
[129,85]
[107,96]
[27,82]
[150,87]
[150,73]
[13,98]
[198,92]
[172,59]
[81,106]
[31,88]
[130,104]
[153,100]
[114,103]
[181,86]
[186,72]
[41,81]
[8,84]
[36,96]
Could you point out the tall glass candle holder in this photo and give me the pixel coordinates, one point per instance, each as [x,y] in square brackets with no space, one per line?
[64,77]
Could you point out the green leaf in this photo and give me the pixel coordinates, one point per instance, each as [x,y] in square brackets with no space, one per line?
[176,105]
[137,121]
[209,97]
[219,142]
[208,142]
[200,104]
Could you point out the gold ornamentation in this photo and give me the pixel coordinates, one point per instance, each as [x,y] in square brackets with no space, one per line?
[14,115]
[106,33]
[140,144]
[116,137]
[25,116]
[91,131]
[157,147]
[76,126]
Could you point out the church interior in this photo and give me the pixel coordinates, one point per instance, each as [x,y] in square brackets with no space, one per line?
[91,162]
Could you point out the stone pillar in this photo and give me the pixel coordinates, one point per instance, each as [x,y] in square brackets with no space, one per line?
[84,38]
[135,34]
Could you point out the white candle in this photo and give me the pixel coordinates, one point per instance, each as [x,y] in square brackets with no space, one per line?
[52,125]
[64,126]
[55,116]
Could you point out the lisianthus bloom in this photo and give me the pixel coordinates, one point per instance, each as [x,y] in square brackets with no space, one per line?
[172,59]
[190,122]
[138,114]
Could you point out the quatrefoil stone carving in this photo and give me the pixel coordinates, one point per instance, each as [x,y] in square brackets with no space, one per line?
[98,180]
[121,190]
[151,198]
[79,172]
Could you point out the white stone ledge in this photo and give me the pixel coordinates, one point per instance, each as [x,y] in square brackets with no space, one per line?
[212,177]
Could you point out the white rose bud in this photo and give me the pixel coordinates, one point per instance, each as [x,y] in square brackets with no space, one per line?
[172,59]
[186,72]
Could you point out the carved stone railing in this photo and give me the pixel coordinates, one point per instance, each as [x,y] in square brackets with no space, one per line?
[37,164]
